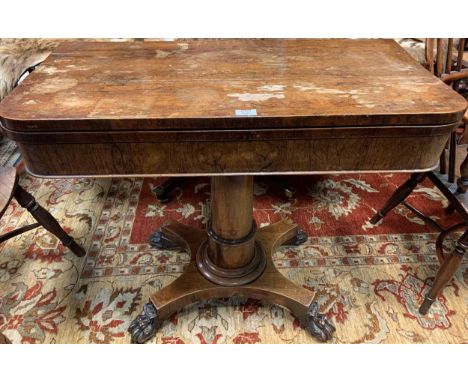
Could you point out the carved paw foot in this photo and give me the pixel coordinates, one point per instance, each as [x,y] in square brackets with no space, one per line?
[160,241]
[162,194]
[144,327]
[164,191]
[300,238]
[317,324]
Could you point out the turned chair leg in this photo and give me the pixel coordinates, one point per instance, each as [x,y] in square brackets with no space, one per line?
[452,157]
[43,217]
[445,272]
[443,160]
[462,182]
[399,196]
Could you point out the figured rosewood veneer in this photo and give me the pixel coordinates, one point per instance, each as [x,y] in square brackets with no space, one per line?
[150,108]
[237,108]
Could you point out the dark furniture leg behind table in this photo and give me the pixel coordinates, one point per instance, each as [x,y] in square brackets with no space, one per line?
[462,181]
[278,185]
[399,196]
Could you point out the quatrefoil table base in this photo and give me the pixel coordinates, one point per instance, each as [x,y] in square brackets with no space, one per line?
[223,267]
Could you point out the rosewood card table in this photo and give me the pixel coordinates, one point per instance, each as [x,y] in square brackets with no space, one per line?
[230,109]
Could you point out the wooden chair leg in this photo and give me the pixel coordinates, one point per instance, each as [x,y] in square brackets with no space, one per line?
[462,182]
[26,200]
[398,196]
[452,157]
[445,272]
[443,161]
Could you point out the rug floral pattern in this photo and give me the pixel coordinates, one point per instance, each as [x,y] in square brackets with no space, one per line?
[368,279]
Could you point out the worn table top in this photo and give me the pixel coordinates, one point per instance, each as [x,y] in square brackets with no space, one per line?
[202,83]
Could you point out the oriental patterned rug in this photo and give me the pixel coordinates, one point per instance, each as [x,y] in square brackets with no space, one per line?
[368,279]
[9,154]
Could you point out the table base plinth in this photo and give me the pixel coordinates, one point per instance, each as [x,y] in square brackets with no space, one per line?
[231,276]
[192,286]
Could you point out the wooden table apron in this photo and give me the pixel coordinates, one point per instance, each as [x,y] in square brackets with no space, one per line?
[145,122]
[231,152]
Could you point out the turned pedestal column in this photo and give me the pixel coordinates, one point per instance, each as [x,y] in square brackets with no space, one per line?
[231,256]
